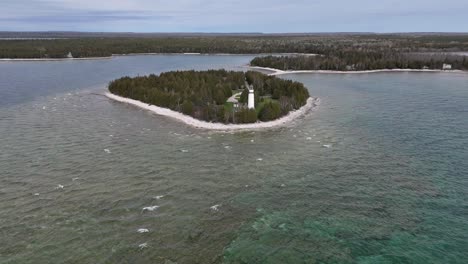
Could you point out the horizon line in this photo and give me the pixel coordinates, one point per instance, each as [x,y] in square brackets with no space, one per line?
[235,32]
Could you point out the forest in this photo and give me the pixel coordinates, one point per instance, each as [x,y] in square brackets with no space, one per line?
[358,61]
[329,45]
[203,94]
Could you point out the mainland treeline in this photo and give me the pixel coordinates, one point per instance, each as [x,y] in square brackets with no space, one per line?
[325,44]
[359,61]
[203,94]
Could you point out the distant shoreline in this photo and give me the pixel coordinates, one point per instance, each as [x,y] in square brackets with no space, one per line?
[276,72]
[311,104]
[54,59]
[148,54]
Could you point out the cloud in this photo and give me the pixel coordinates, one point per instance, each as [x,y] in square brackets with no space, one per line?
[84,17]
[234,15]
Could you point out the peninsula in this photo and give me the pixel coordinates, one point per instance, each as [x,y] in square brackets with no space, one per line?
[216,99]
[359,61]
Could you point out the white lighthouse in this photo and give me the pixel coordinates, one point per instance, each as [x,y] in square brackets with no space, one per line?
[251,103]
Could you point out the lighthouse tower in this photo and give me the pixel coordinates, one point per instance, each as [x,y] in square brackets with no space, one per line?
[251,103]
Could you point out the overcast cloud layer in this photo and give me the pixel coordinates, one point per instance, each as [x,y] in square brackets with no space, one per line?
[235,15]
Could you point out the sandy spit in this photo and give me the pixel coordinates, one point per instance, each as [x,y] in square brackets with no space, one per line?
[311,104]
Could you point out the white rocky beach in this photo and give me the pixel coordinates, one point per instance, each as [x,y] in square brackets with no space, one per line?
[311,104]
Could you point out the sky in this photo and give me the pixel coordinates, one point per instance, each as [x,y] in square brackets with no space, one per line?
[268,16]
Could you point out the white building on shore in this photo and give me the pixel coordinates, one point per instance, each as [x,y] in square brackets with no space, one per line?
[446,67]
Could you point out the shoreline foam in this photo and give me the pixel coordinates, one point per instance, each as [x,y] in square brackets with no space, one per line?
[311,104]
[281,72]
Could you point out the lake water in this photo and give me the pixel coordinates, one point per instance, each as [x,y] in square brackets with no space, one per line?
[378,174]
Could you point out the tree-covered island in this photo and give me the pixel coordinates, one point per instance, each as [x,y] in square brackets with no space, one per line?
[216,95]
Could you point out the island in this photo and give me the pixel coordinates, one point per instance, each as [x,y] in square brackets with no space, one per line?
[216,99]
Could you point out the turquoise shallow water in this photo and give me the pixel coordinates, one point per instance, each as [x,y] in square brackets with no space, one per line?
[376,175]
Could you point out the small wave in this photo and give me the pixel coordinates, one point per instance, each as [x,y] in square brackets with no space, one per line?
[143,246]
[143,230]
[215,207]
[150,208]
